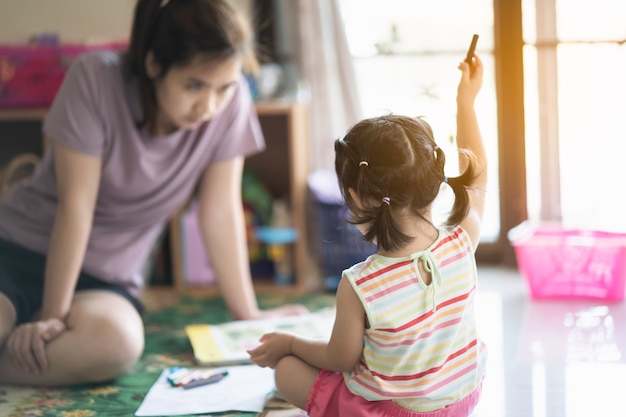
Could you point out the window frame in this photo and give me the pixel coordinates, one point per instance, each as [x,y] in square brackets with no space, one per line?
[509,71]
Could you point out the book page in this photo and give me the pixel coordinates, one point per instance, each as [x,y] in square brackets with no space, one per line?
[228,343]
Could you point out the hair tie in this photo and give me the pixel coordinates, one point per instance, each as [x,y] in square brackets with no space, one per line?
[386,200]
[364,163]
[164,3]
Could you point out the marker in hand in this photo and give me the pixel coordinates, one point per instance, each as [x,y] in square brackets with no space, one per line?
[470,51]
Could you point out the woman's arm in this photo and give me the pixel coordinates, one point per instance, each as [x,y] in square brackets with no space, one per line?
[223,230]
[78,179]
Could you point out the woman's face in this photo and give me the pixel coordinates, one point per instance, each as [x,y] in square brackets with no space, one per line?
[192,94]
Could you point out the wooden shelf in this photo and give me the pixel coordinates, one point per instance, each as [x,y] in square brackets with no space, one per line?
[19,115]
[283,168]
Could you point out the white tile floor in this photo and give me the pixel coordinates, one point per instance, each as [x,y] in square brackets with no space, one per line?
[549,358]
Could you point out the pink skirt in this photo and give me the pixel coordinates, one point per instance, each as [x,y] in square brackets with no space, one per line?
[330,397]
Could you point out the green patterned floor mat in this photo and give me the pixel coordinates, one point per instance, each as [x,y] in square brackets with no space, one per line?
[166,345]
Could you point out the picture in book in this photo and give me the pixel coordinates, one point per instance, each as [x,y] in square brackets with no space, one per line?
[228,343]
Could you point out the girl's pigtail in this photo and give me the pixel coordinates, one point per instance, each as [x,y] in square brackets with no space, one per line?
[460,186]
[384,230]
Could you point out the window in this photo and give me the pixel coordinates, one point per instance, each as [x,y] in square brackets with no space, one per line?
[575,96]
[406,55]
[558,130]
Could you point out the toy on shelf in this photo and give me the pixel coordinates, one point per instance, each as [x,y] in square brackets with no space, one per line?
[279,237]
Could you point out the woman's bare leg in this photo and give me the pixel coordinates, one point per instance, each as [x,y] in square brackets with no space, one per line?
[7,319]
[294,380]
[105,337]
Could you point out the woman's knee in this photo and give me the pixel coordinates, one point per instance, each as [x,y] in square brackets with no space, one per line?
[123,341]
[113,340]
[112,352]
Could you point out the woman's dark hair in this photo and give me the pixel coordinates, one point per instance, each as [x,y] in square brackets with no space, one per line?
[392,162]
[176,31]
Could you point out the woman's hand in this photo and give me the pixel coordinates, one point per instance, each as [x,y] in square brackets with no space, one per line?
[27,343]
[274,347]
[283,311]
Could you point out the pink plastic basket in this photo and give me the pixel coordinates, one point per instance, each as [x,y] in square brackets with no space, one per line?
[560,263]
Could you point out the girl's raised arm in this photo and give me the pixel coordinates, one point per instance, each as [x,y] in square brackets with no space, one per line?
[469,137]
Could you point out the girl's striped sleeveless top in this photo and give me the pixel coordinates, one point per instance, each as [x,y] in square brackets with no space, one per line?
[422,349]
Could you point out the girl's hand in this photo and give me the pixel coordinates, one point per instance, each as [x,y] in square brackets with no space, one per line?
[27,343]
[274,347]
[471,81]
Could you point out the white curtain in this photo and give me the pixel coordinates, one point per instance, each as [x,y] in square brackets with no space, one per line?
[319,49]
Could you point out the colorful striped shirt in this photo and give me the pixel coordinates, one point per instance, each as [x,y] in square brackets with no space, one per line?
[421,349]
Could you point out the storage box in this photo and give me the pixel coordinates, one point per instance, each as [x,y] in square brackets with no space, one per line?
[30,75]
[563,263]
[195,265]
[340,244]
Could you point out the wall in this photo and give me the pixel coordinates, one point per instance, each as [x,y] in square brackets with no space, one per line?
[73,20]
[89,21]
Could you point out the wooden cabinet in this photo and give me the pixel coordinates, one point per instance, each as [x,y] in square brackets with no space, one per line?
[283,169]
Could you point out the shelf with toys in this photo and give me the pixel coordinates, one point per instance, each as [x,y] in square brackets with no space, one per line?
[34,75]
[274,192]
[282,171]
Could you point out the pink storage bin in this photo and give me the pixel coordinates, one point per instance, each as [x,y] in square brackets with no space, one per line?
[197,269]
[30,75]
[196,266]
[562,263]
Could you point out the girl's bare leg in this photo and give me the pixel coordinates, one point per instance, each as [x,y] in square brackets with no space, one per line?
[294,380]
[105,337]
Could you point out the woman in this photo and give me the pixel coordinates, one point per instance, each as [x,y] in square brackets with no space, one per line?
[130,138]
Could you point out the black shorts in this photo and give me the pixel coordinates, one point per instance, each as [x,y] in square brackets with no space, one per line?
[22,277]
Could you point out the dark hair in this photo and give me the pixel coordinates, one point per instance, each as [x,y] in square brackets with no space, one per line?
[392,162]
[176,31]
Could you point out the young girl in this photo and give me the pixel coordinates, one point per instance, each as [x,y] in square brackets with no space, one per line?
[404,341]
[130,138]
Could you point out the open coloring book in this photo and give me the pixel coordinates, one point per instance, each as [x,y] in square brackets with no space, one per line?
[227,344]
